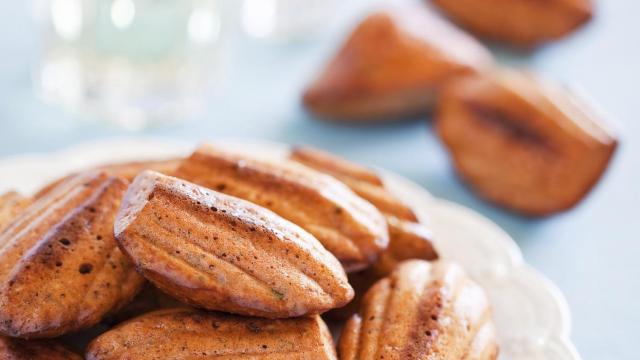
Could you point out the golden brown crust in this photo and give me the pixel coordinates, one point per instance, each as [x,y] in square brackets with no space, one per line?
[11,204]
[18,349]
[422,310]
[524,144]
[184,334]
[348,226]
[382,199]
[522,23]
[364,182]
[60,267]
[407,241]
[126,170]
[222,253]
[392,66]
[334,165]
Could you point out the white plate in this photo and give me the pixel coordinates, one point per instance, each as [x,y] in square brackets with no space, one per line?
[531,315]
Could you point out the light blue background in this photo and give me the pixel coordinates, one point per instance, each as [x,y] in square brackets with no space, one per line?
[592,252]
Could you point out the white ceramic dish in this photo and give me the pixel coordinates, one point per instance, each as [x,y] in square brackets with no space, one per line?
[531,315]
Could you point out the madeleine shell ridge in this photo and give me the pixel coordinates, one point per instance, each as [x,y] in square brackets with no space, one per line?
[11,204]
[348,226]
[361,180]
[334,165]
[408,239]
[126,170]
[60,267]
[422,310]
[222,253]
[192,334]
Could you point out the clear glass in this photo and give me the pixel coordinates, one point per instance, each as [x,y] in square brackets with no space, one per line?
[133,62]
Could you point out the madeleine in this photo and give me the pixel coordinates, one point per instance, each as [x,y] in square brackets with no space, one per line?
[423,310]
[191,334]
[522,23]
[393,66]
[219,252]
[60,267]
[522,143]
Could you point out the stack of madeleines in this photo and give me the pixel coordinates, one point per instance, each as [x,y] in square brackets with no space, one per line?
[228,256]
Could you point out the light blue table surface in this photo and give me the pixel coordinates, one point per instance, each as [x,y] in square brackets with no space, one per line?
[591,252]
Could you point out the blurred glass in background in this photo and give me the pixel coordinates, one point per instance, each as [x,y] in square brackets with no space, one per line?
[137,63]
[131,62]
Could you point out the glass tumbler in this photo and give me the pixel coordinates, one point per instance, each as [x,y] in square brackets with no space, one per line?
[132,62]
